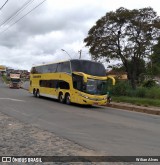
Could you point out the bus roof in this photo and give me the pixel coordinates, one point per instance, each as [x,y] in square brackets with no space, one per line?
[63,61]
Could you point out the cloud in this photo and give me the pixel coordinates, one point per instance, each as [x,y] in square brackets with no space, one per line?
[55,25]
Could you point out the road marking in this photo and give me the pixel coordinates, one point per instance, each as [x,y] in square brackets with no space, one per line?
[11,99]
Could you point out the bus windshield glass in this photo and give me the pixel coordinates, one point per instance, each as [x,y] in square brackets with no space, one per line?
[96,87]
[93,86]
[88,67]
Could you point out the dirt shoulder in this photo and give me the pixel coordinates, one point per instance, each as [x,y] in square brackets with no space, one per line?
[20,139]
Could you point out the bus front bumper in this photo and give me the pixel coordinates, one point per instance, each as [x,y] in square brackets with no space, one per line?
[93,101]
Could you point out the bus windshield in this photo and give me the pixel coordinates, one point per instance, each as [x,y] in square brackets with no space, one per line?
[96,87]
[93,86]
[88,67]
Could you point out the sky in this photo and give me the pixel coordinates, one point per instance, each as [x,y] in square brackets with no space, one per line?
[39,36]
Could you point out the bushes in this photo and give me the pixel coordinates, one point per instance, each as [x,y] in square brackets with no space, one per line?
[123,88]
[149,83]
[153,93]
[141,92]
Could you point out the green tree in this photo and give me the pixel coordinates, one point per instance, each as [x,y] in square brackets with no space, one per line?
[125,35]
[155,60]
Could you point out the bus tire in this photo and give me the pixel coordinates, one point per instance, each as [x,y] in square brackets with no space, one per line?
[68,99]
[60,98]
[38,93]
[34,92]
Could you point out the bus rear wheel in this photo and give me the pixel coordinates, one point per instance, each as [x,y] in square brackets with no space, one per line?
[38,93]
[60,98]
[68,99]
[34,93]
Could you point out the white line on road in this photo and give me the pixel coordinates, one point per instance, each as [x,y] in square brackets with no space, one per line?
[11,99]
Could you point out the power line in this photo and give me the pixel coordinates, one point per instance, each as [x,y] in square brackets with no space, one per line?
[16,13]
[3,5]
[23,16]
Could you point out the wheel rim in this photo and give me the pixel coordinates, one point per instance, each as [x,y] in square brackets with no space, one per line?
[61,98]
[68,99]
[38,94]
[34,93]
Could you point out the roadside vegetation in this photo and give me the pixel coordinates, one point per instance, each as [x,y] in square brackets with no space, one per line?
[131,37]
[4,77]
[137,101]
[146,94]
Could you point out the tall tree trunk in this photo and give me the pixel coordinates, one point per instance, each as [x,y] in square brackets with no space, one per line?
[131,75]
[133,83]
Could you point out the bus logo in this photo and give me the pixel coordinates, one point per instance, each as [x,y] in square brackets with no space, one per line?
[6,159]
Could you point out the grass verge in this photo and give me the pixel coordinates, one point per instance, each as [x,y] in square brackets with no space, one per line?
[137,101]
[5,79]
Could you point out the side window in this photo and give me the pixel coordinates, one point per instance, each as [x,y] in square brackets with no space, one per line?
[48,83]
[46,69]
[78,82]
[65,67]
[41,83]
[59,67]
[42,69]
[52,68]
[39,69]
[33,70]
[53,83]
[63,85]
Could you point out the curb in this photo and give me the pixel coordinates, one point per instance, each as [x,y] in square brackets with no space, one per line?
[135,108]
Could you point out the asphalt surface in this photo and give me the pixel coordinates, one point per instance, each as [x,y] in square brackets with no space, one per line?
[115,132]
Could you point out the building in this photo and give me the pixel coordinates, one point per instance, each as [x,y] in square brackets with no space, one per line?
[117,74]
[2,69]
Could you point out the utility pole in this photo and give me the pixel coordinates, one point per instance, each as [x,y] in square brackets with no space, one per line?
[80,53]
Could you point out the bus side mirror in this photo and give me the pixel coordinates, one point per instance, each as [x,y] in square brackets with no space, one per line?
[85,79]
[81,74]
[113,79]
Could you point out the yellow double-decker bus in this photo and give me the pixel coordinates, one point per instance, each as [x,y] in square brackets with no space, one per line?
[72,81]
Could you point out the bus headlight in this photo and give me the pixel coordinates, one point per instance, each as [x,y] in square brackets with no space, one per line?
[105,97]
[86,97]
[83,95]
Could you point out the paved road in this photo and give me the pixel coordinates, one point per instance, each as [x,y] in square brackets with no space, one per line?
[116,132]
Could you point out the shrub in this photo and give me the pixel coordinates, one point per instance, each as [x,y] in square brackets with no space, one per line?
[153,93]
[131,92]
[121,88]
[141,92]
[149,83]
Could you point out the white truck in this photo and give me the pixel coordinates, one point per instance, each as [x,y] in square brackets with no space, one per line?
[15,80]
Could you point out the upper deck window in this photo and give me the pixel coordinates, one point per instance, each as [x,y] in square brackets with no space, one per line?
[52,68]
[88,67]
